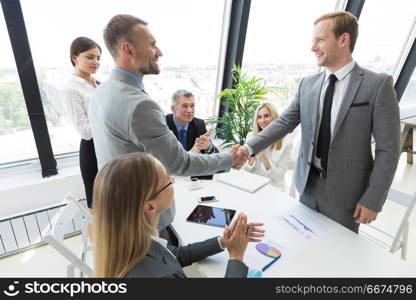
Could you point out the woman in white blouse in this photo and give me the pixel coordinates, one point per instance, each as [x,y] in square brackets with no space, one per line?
[85,57]
[273,161]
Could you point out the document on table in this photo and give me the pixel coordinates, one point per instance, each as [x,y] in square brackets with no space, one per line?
[256,261]
[305,222]
[290,231]
[280,238]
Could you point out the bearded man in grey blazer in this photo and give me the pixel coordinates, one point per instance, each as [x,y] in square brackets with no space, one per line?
[340,110]
[125,119]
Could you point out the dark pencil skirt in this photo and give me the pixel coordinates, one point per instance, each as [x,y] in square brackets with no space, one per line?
[89,169]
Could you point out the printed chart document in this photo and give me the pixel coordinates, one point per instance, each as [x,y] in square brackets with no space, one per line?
[243,180]
[290,231]
[256,261]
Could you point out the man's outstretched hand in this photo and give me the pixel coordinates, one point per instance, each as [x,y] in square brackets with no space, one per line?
[240,156]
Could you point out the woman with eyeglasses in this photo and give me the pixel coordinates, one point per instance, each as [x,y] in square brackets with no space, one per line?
[130,193]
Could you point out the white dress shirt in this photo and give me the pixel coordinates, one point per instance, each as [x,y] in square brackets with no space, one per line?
[76,97]
[343,78]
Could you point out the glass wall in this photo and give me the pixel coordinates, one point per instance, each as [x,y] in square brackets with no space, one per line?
[187,31]
[383,29]
[16,137]
[278,42]
[408,101]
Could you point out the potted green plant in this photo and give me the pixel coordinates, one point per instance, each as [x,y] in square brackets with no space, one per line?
[241,103]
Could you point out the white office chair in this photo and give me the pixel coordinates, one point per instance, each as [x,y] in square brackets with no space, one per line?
[294,158]
[56,237]
[292,189]
[400,238]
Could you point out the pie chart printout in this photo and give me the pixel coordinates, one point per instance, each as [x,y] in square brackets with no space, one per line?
[268,250]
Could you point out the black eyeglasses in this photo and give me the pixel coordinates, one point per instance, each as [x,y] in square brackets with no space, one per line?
[171,181]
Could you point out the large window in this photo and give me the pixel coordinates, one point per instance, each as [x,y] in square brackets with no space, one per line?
[408,101]
[187,31]
[279,39]
[383,28]
[16,137]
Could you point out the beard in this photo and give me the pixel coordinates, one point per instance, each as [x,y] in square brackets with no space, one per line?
[150,69]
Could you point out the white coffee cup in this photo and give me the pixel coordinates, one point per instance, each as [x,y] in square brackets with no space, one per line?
[195,183]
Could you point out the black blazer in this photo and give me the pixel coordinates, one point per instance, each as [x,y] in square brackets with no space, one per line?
[196,128]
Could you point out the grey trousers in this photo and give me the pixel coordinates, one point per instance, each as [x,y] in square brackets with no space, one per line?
[315,197]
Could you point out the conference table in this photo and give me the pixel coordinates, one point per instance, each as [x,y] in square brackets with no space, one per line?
[327,249]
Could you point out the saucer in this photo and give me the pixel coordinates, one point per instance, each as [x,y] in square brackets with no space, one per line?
[194,188]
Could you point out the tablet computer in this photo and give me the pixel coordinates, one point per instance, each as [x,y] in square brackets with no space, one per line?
[214,216]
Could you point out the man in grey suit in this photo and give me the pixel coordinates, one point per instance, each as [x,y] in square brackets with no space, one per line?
[125,119]
[339,110]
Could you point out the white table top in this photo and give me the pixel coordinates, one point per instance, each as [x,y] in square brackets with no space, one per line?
[331,251]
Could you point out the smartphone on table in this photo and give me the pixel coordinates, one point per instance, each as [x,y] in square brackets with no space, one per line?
[207,199]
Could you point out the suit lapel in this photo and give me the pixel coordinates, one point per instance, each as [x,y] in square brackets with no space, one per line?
[191,135]
[158,252]
[357,75]
[172,262]
[315,96]
[171,125]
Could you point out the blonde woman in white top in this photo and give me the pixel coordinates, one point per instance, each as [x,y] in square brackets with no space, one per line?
[85,56]
[273,161]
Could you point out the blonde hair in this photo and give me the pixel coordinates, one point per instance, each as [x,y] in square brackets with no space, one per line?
[256,128]
[121,228]
[344,22]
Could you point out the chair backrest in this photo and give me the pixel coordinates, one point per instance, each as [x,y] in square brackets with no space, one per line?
[62,220]
[407,201]
[294,157]
[294,138]
[57,233]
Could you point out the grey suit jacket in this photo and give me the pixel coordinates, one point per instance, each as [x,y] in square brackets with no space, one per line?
[124,119]
[159,263]
[369,108]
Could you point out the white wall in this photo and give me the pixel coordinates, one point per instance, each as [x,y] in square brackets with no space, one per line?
[23,189]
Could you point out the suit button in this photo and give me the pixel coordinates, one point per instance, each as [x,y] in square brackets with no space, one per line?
[313,143]
[309,163]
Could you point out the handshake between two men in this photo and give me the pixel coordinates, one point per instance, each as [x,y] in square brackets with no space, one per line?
[240,156]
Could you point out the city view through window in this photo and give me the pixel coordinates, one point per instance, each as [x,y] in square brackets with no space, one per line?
[189,33]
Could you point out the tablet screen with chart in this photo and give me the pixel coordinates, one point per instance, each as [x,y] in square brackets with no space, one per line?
[214,216]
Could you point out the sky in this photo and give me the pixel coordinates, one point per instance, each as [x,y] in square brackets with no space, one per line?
[188,31]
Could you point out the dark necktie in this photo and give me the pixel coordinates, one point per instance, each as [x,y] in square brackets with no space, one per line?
[324,139]
[182,137]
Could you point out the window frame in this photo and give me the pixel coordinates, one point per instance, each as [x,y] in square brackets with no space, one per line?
[16,28]
[235,22]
